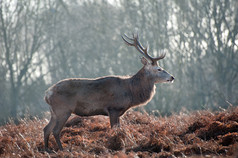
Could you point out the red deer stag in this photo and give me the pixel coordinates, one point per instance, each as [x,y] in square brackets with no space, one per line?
[111,95]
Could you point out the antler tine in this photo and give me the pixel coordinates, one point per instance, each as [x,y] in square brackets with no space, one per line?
[160,57]
[145,50]
[140,48]
[135,43]
[128,43]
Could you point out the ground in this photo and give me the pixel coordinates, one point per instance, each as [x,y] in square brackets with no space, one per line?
[191,134]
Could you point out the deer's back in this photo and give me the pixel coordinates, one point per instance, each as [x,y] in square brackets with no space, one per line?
[90,96]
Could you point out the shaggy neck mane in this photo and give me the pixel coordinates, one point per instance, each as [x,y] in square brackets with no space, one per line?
[142,88]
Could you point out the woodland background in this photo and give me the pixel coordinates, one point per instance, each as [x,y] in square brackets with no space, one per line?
[42,42]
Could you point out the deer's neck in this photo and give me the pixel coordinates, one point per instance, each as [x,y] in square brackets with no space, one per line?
[142,88]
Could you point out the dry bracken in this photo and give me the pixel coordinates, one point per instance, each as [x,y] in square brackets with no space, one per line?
[200,133]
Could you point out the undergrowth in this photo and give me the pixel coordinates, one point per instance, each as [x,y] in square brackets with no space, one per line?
[197,134]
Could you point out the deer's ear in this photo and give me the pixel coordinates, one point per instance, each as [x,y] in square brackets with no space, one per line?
[144,61]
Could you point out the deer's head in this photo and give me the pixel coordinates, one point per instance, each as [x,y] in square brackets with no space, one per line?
[151,67]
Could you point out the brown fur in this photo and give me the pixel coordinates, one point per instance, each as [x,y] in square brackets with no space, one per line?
[89,97]
[111,95]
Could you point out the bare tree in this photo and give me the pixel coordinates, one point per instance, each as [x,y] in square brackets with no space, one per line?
[21,37]
[207,32]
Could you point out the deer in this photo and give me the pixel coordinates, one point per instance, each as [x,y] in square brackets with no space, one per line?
[109,95]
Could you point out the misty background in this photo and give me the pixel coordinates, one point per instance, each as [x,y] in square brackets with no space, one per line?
[42,42]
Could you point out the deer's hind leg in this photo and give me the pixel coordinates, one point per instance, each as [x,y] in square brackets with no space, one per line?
[61,119]
[48,129]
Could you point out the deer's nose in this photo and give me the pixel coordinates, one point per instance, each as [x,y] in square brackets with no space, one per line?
[172,78]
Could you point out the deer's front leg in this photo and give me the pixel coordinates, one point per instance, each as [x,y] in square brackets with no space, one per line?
[114,117]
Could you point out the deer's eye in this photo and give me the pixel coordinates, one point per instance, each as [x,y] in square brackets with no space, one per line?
[159,69]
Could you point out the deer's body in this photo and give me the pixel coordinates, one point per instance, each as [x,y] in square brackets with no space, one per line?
[89,97]
[111,95]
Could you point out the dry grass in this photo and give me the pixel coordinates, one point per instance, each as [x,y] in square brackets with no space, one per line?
[197,134]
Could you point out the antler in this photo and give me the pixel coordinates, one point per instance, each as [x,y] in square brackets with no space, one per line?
[140,48]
